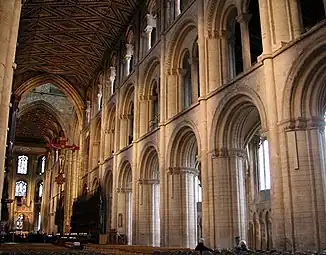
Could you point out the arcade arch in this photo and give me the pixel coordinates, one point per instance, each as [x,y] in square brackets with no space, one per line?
[124,217]
[149,193]
[184,195]
[241,167]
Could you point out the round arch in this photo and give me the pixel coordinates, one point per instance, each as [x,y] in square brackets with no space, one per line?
[182,137]
[149,158]
[305,91]
[174,46]
[241,101]
[125,174]
[127,99]
[58,81]
[149,75]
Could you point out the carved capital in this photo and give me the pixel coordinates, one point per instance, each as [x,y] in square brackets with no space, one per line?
[183,170]
[148,182]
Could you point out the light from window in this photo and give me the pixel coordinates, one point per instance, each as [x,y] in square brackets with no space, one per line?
[39,222]
[21,189]
[43,163]
[40,190]
[264,168]
[22,164]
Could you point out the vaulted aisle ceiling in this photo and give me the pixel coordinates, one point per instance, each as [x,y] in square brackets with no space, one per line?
[70,37]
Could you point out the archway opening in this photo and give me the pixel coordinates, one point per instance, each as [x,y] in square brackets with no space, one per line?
[185,163]
[256,45]
[125,204]
[149,204]
[246,149]
[312,12]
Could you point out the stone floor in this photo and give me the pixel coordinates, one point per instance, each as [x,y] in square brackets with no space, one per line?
[31,248]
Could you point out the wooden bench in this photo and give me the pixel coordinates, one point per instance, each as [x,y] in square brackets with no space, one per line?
[129,249]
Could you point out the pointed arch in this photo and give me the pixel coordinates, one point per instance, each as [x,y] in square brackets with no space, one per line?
[58,81]
[48,107]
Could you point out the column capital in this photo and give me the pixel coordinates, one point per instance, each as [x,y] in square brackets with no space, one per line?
[172,71]
[148,29]
[301,123]
[183,170]
[129,50]
[148,182]
[243,18]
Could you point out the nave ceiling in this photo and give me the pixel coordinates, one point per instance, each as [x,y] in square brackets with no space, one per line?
[69,37]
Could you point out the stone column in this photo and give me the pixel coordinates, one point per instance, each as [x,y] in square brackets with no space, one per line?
[99,98]
[303,167]
[229,196]
[172,94]
[145,217]
[181,207]
[144,118]
[88,112]
[265,26]
[148,33]
[295,19]
[113,75]
[177,8]
[45,207]
[213,57]
[9,23]
[180,90]
[129,54]
[67,191]
[243,20]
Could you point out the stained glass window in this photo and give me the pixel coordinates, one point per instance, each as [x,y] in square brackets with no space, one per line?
[21,189]
[20,221]
[22,164]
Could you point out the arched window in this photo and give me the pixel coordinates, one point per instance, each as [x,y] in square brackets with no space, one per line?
[196,63]
[155,107]
[131,123]
[22,164]
[43,164]
[263,167]
[312,12]
[21,189]
[256,45]
[235,61]
[186,81]
[40,190]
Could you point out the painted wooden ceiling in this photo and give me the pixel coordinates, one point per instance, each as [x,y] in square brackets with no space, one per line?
[70,37]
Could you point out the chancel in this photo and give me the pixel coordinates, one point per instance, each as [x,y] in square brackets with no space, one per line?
[145,126]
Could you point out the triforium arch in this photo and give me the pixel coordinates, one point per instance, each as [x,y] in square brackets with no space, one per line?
[148,211]
[150,97]
[302,143]
[110,140]
[124,200]
[175,45]
[240,165]
[304,93]
[181,69]
[184,190]
[58,81]
[127,116]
